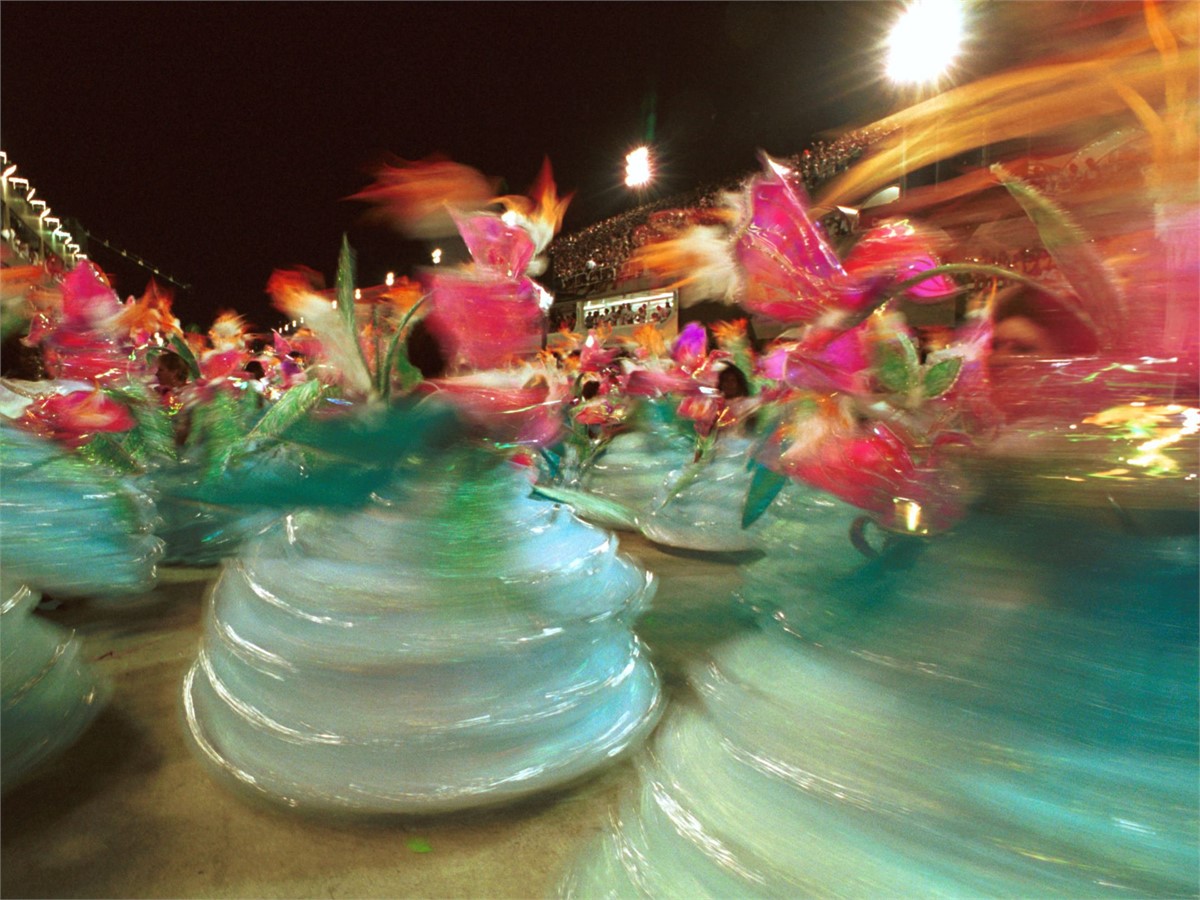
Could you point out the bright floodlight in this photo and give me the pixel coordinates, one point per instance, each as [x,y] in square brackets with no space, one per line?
[637,167]
[925,41]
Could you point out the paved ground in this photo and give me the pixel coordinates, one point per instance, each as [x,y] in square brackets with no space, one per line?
[129,812]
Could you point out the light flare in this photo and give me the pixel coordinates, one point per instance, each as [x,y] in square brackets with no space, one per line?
[925,41]
[638,169]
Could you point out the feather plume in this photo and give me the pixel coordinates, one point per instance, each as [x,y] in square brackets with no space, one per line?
[417,197]
[150,314]
[541,213]
[342,361]
[702,256]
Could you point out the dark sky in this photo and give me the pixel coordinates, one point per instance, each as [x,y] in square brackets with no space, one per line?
[220,140]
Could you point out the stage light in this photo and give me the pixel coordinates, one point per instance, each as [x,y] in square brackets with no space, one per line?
[925,41]
[436,255]
[389,279]
[638,171]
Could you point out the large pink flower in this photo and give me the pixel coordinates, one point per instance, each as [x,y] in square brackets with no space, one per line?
[216,365]
[791,274]
[787,266]
[494,314]
[84,342]
[871,468]
[482,322]
[75,418]
[894,252]
[594,356]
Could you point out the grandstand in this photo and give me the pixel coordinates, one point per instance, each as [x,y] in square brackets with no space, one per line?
[595,278]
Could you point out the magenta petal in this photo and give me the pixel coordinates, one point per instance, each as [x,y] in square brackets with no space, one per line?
[936,288]
[495,245]
[780,221]
[849,352]
[691,346]
[840,364]
[790,272]
[774,364]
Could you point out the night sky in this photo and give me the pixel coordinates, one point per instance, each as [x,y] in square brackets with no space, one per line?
[219,141]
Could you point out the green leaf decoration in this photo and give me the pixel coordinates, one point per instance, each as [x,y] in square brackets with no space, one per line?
[896,364]
[294,405]
[706,447]
[765,486]
[659,417]
[106,451]
[217,430]
[180,346]
[940,377]
[380,356]
[377,434]
[553,459]
[418,845]
[592,507]
[286,476]
[397,357]
[690,473]
[153,438]
[766,422]
[12,322]
[331,460]
[344,285]
[134,445]
[973,270]
[586,450]
[1072,251]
